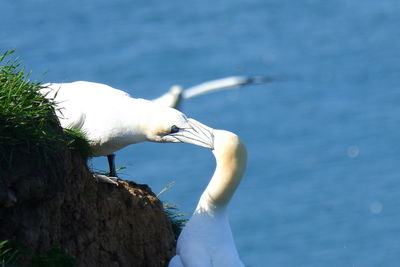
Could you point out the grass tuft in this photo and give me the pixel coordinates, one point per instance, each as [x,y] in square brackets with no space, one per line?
[27,119]
[53,257]
[171,211]
[14,255]
[25,116]
[8,254]
[77,140]
[177,219]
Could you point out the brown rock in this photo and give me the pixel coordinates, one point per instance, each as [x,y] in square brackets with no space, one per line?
[59,202]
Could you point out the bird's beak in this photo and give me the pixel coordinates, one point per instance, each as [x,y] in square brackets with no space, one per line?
[194,133]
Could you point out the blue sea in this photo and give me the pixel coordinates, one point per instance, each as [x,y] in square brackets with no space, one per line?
[322,187]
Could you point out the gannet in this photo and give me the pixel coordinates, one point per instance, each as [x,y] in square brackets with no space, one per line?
[176,93]
[112,119]
[206,240]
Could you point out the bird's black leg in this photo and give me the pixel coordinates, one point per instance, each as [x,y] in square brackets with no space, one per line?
[111,164]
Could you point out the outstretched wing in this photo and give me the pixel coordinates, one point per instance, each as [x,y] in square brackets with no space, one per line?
[225,83]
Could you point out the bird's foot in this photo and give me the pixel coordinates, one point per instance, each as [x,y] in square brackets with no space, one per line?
[106,179]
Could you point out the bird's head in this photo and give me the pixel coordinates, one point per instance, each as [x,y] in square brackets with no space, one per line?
[172,126]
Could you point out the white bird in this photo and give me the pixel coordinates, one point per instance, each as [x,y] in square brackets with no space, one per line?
[206,240]
[112,119]
[176,93]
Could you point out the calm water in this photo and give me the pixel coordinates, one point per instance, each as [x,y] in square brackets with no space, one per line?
[323,183]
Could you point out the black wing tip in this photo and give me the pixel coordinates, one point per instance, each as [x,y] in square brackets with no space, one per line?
[260,79]
[265,79]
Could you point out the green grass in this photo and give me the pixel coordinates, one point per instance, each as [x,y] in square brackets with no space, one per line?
[171,211]
[177,219]
[53,257]
[25,116]
[12,255]
[27,119]
[77,140]
[8,254]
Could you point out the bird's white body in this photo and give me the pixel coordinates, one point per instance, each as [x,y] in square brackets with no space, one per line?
[88,106]
[111,118]
[206,240]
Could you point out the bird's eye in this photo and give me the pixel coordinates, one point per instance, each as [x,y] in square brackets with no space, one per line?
[174,129]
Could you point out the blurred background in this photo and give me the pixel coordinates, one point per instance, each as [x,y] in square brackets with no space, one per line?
[322,186]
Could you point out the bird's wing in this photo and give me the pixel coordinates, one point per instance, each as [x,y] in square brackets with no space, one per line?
[229,82]
[171,98]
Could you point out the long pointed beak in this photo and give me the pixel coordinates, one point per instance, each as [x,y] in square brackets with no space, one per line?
[196,133]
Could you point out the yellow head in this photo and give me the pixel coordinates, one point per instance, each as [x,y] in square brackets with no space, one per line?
[164,124]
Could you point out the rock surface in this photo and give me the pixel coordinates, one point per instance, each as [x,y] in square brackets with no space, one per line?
[59,202]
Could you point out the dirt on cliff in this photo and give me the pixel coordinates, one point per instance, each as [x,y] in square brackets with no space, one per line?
[57,201]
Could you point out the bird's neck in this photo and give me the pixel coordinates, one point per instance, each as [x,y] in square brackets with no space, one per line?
[230,154]
[136,118]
